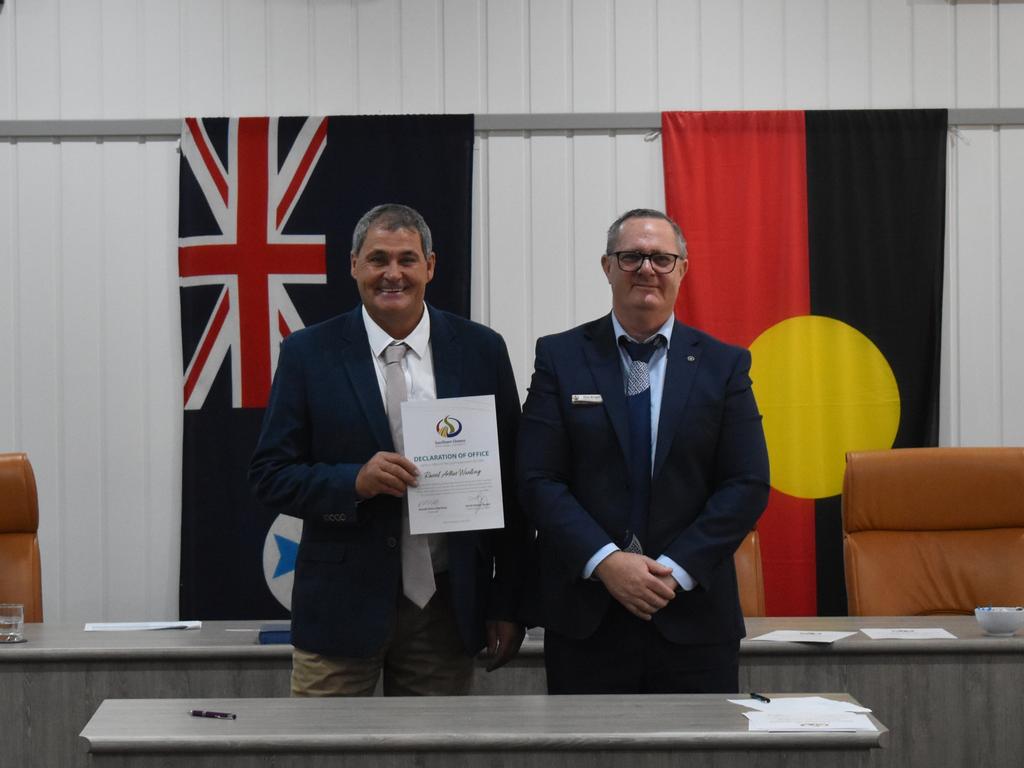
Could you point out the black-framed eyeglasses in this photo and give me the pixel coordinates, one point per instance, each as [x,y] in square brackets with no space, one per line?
[633,261]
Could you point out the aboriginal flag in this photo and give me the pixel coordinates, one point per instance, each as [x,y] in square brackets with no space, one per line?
[816,240]
[266,212]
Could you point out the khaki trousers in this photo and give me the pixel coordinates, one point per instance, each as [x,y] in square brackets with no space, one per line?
[423,656]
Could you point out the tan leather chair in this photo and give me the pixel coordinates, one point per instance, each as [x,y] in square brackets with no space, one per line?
[749,575]
[20,580]
[933,530]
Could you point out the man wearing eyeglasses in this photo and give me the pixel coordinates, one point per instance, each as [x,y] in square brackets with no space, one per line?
[642,463]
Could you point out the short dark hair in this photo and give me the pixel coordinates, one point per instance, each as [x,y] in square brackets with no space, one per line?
[641,213]
[392,216]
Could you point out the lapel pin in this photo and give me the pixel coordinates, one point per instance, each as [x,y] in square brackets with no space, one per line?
[690,358]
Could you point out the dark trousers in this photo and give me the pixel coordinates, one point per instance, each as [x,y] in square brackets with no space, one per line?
[628,655]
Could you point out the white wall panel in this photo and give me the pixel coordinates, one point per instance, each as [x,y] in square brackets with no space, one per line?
[1011,282]
[88,288]
[934,63]
[422,56]
[551,75]
[721,85]
[80,35]
[289,62]
[335,57]
[37,66]
[636,60]
[550,247]
[892,46]
[1010,41]
[247,74]
[203,52]
[593,55]
[507,53]
[976,281]
[849,45]
[807,51]
[10,330]
[678,53]
[160,59]
[462,43]
[976,55]
[763,54]
[39,310]
[80,502]
[119,60]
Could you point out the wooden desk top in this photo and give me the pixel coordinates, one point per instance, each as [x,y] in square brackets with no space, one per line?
[237,640]
[691,722]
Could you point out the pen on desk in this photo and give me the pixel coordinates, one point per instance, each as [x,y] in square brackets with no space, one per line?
[215,715]
[759,697]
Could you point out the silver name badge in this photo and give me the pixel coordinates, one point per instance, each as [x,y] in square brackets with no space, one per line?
[587,400]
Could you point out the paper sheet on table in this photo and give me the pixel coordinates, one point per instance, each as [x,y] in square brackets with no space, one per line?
[813,721]
[908,633]
[133,626]
[802,704]
[803,636]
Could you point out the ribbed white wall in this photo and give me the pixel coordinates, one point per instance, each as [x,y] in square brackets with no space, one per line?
[90,359]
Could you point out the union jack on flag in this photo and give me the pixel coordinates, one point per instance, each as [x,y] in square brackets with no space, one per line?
[251,196]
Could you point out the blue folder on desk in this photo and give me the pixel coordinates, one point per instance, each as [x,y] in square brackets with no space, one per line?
[275,634]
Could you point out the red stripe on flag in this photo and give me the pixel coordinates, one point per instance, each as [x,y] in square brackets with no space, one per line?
[303,170]
[207,154]
[199,361]
[736,182]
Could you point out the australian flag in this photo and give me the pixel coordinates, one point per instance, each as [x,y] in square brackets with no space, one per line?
[266,212]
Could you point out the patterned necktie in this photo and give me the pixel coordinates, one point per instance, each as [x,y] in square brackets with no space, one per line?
[638,402]
[417,571]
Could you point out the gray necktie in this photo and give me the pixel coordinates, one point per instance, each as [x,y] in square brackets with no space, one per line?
[417,571]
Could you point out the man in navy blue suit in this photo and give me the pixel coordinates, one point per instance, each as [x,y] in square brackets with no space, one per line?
[369,597]
[642,464]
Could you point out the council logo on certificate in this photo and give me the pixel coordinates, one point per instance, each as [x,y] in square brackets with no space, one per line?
[454,443]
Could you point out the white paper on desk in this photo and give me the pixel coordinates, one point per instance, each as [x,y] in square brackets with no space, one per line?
[803,636]
[133,626]
[808,721]
[454,444]
[908,633]
[802,704]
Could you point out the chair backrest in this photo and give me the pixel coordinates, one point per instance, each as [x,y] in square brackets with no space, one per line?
[20,580]
[933,530]
[749,575]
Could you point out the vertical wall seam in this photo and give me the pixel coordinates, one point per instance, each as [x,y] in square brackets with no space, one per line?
[146,426]
[101,449]
[60,471]
[524,352]
[997,241]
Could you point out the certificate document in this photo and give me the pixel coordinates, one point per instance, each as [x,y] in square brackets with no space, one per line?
[454,444]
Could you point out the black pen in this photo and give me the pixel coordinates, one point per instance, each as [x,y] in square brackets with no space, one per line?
[216,715]
[759,697]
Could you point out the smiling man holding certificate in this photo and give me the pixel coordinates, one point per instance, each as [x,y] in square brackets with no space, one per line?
[370,594]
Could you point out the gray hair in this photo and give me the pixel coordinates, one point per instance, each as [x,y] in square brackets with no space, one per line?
[391,217]
[642,213]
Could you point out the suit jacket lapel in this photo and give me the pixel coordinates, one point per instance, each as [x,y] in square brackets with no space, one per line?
[446,351]
[602,354]
[356,359]
[680,372]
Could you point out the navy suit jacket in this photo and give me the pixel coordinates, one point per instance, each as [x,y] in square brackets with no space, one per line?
[325,419]
[709,483]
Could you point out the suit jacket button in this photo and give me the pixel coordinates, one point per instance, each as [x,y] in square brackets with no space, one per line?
[392,542]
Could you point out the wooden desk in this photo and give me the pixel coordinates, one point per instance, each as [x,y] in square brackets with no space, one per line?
[53,683]
[947,703]
[591,731]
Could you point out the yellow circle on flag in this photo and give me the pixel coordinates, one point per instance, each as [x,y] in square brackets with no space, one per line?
[824,389]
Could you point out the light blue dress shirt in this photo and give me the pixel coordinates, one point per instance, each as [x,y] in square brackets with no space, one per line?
[656,368]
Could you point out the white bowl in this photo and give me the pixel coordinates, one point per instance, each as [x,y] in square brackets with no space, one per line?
[1001,621]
